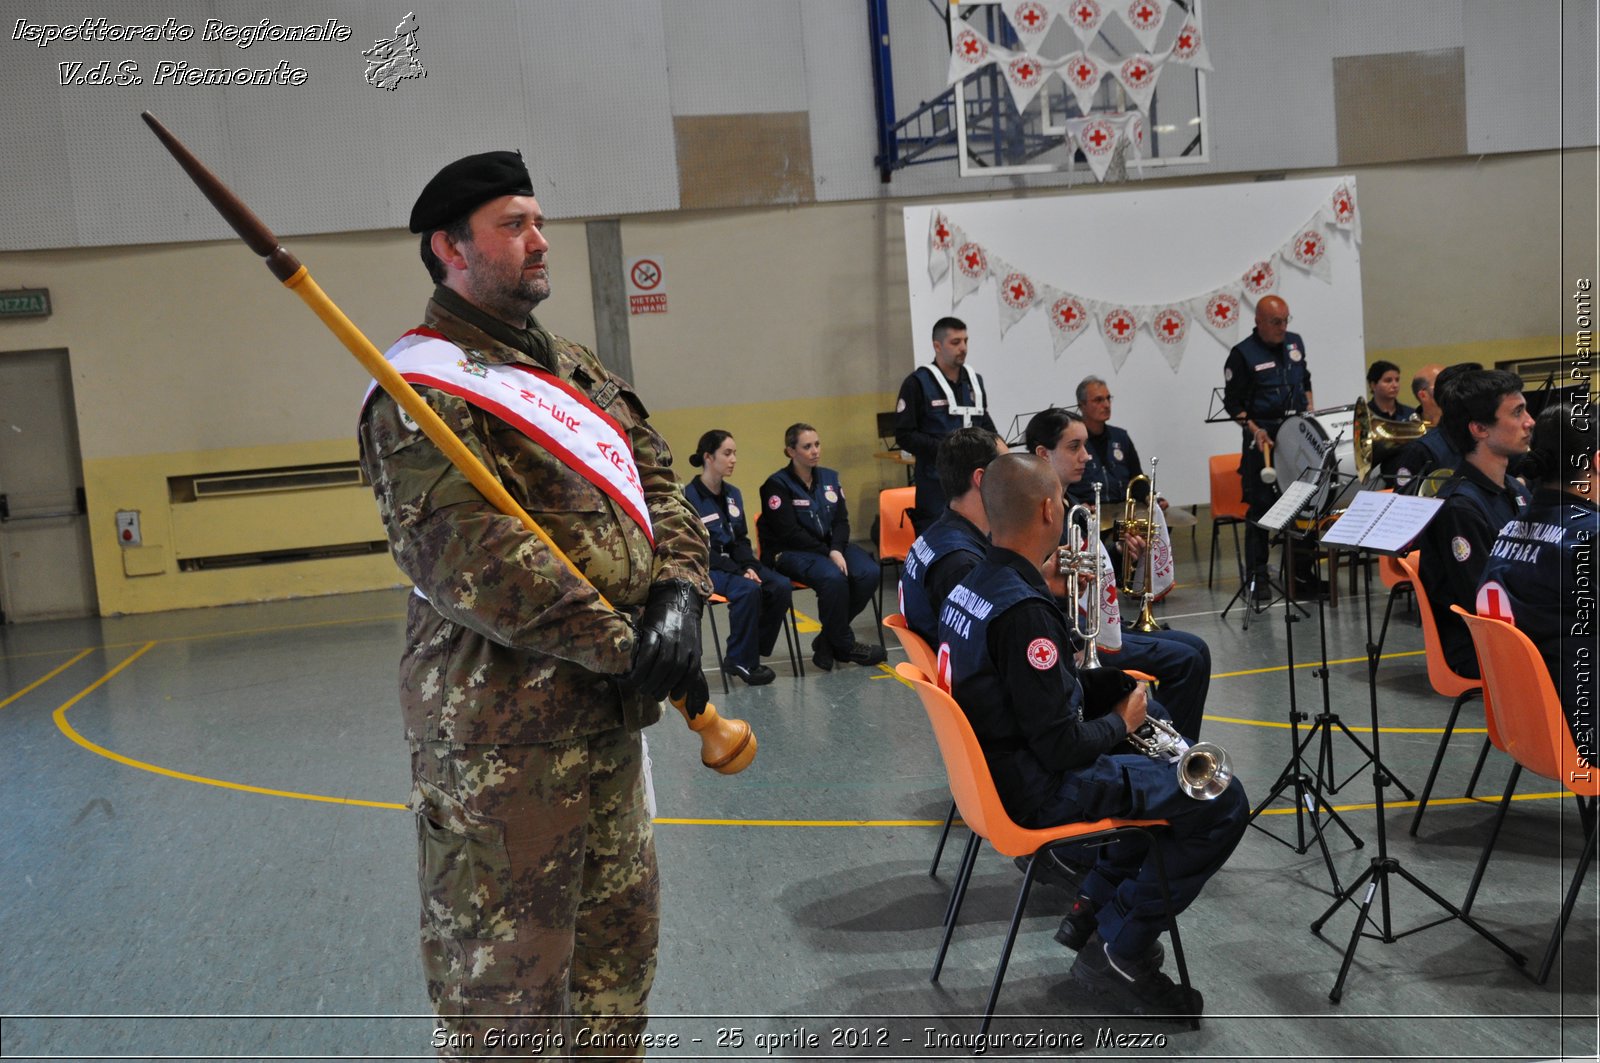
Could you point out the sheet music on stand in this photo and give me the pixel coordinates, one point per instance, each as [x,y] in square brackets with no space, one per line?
[1292,501]
[1387,523]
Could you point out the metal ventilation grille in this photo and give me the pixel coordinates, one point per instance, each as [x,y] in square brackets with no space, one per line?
[263,481]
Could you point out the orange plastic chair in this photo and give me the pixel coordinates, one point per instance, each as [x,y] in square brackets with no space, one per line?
[1227,506]
[895,532]
[1444,681]
[980,807]
[1393,575]
[922,657]
[1528,722]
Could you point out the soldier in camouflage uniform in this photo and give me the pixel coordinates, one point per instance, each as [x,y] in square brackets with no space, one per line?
[523,694]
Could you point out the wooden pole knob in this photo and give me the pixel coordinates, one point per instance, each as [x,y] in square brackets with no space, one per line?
[726,746]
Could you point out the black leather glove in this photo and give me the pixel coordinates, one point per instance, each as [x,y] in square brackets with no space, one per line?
[1103,688]
[666,645]
[695,695]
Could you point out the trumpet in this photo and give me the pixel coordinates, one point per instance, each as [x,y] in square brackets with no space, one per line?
[1144,527]
[1081,557]
[1204,769]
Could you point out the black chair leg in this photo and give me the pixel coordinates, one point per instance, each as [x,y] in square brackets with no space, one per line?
[1444,740]
[1011,940]
[944,836]
[1477,769]
[953,909]
[716,644]
[1383,632]
[1494,835]
[1566,908]
[1211,569]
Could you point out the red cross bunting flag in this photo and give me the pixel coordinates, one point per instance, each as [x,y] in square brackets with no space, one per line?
[970,266]
[1138,74]
[941,237]
[1025,74]
[971,51]
[1259,280]
[1069,316]
[1308,249]
[1085,16]
[1119,324]
[1218,313]
[1189,47]
[1015,292]
[1081,72]
[1031,20]
[1163,572]
[1342,205]
[1170,326]
[1145,18]
[1099,135]
[1110,637]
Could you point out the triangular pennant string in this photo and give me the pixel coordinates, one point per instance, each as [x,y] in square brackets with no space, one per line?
[1015,292]
[1170,326]
[1145,18]
[971,51]
[941,239]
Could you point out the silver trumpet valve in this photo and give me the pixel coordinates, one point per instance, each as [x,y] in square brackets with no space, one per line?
[1080,558]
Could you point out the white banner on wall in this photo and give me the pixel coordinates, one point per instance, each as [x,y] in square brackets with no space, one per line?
[1114,258]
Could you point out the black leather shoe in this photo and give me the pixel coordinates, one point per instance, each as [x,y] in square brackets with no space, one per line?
[863,653]
[1137,987]
[759,676]
[1080,924]
[822,654]
[1311,589]
[1261,590]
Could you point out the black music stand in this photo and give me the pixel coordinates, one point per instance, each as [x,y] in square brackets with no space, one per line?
[1290,502]
[1309,801]
[1381,524]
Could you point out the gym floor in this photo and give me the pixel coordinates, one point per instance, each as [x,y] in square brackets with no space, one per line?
[206,857]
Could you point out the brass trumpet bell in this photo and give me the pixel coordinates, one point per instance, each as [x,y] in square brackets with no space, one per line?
[1376,437]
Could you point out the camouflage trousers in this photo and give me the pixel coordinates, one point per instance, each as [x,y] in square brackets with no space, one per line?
[540,896]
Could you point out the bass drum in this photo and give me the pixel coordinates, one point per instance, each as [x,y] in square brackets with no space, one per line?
[1320,441]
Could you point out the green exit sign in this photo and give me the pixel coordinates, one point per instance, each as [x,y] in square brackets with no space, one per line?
[25,302]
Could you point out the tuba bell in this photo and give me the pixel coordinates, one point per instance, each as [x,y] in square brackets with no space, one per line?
[1376,438]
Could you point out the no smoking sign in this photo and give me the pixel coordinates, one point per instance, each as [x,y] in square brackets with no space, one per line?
[647,292]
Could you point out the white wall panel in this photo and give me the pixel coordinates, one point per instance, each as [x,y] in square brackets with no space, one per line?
[735,57]
[1382,27]
[1516,91]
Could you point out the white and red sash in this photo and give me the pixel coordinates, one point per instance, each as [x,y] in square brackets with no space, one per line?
[540,405]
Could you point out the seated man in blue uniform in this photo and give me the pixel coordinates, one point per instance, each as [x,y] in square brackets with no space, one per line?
[1113,464]
[1051,738]
[758,598]
[1433,453]
[805,534]
[1180,662]
[934,401]
[946,552]
[1541,570]
[1487,419]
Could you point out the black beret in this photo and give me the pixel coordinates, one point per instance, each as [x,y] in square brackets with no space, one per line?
[468,183]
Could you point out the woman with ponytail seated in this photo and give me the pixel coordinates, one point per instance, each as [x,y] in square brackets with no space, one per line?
[758,598]
[1541,572]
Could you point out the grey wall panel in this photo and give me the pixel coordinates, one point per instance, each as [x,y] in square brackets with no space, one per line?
[839,77]
[37,207]
[735,57]
[1515,90]
[1377,27]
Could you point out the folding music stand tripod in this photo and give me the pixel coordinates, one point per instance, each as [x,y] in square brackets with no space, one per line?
[1309,801]
[1386,524]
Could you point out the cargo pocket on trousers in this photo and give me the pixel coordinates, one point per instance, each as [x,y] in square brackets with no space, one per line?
[463,868]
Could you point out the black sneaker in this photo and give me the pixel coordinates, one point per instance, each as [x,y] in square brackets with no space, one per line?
[822,654]
[863,653]
[759,676]
[1080,924]
[1134,987]
[1261,589]
[1054,870]
[1311,589]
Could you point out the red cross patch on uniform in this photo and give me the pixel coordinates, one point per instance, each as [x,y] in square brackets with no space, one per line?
[1493,601]
[774,502]
[1042,654]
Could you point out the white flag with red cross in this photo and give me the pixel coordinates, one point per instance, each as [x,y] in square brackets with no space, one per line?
[1138,74]
[1031,20]
[1069,316]
[970,265]
[1259,281]
[1218,312]
[1081,72]
[1025,75]
[941,241]
[1170,326]
[1110,638]
[1085,17]
[1145,18]
[1163,571]
[1189,47]
[1097,137]
[1342,206]
[1308,250]
[970,52]
[1119,324]
[1015,292]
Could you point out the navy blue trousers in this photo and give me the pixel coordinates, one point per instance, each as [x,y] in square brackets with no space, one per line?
[1181,662]
[1123,883]
[840,598]
[755,612]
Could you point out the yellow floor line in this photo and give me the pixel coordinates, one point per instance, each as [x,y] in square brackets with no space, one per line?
[1315,664]
[805,625]
[42,680]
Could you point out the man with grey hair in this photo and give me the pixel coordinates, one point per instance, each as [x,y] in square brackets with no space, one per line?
[1113,459]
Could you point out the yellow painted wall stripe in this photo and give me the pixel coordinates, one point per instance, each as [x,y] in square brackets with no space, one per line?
[42,680]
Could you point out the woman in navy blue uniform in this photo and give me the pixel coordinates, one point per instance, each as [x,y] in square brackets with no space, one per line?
[758,598]
[1541,572]
[1383,381]
[805,534]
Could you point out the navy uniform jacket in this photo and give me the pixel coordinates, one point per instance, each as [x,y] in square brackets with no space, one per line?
[1009,667]
[1542,568]
[812,521]
[939,559]
[923,418]
[725,521]
[1455,547]
[1402,412]
[1267,383]
[1113,463]
[1421,456]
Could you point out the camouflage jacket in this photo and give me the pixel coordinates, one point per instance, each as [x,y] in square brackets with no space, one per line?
[509,646]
